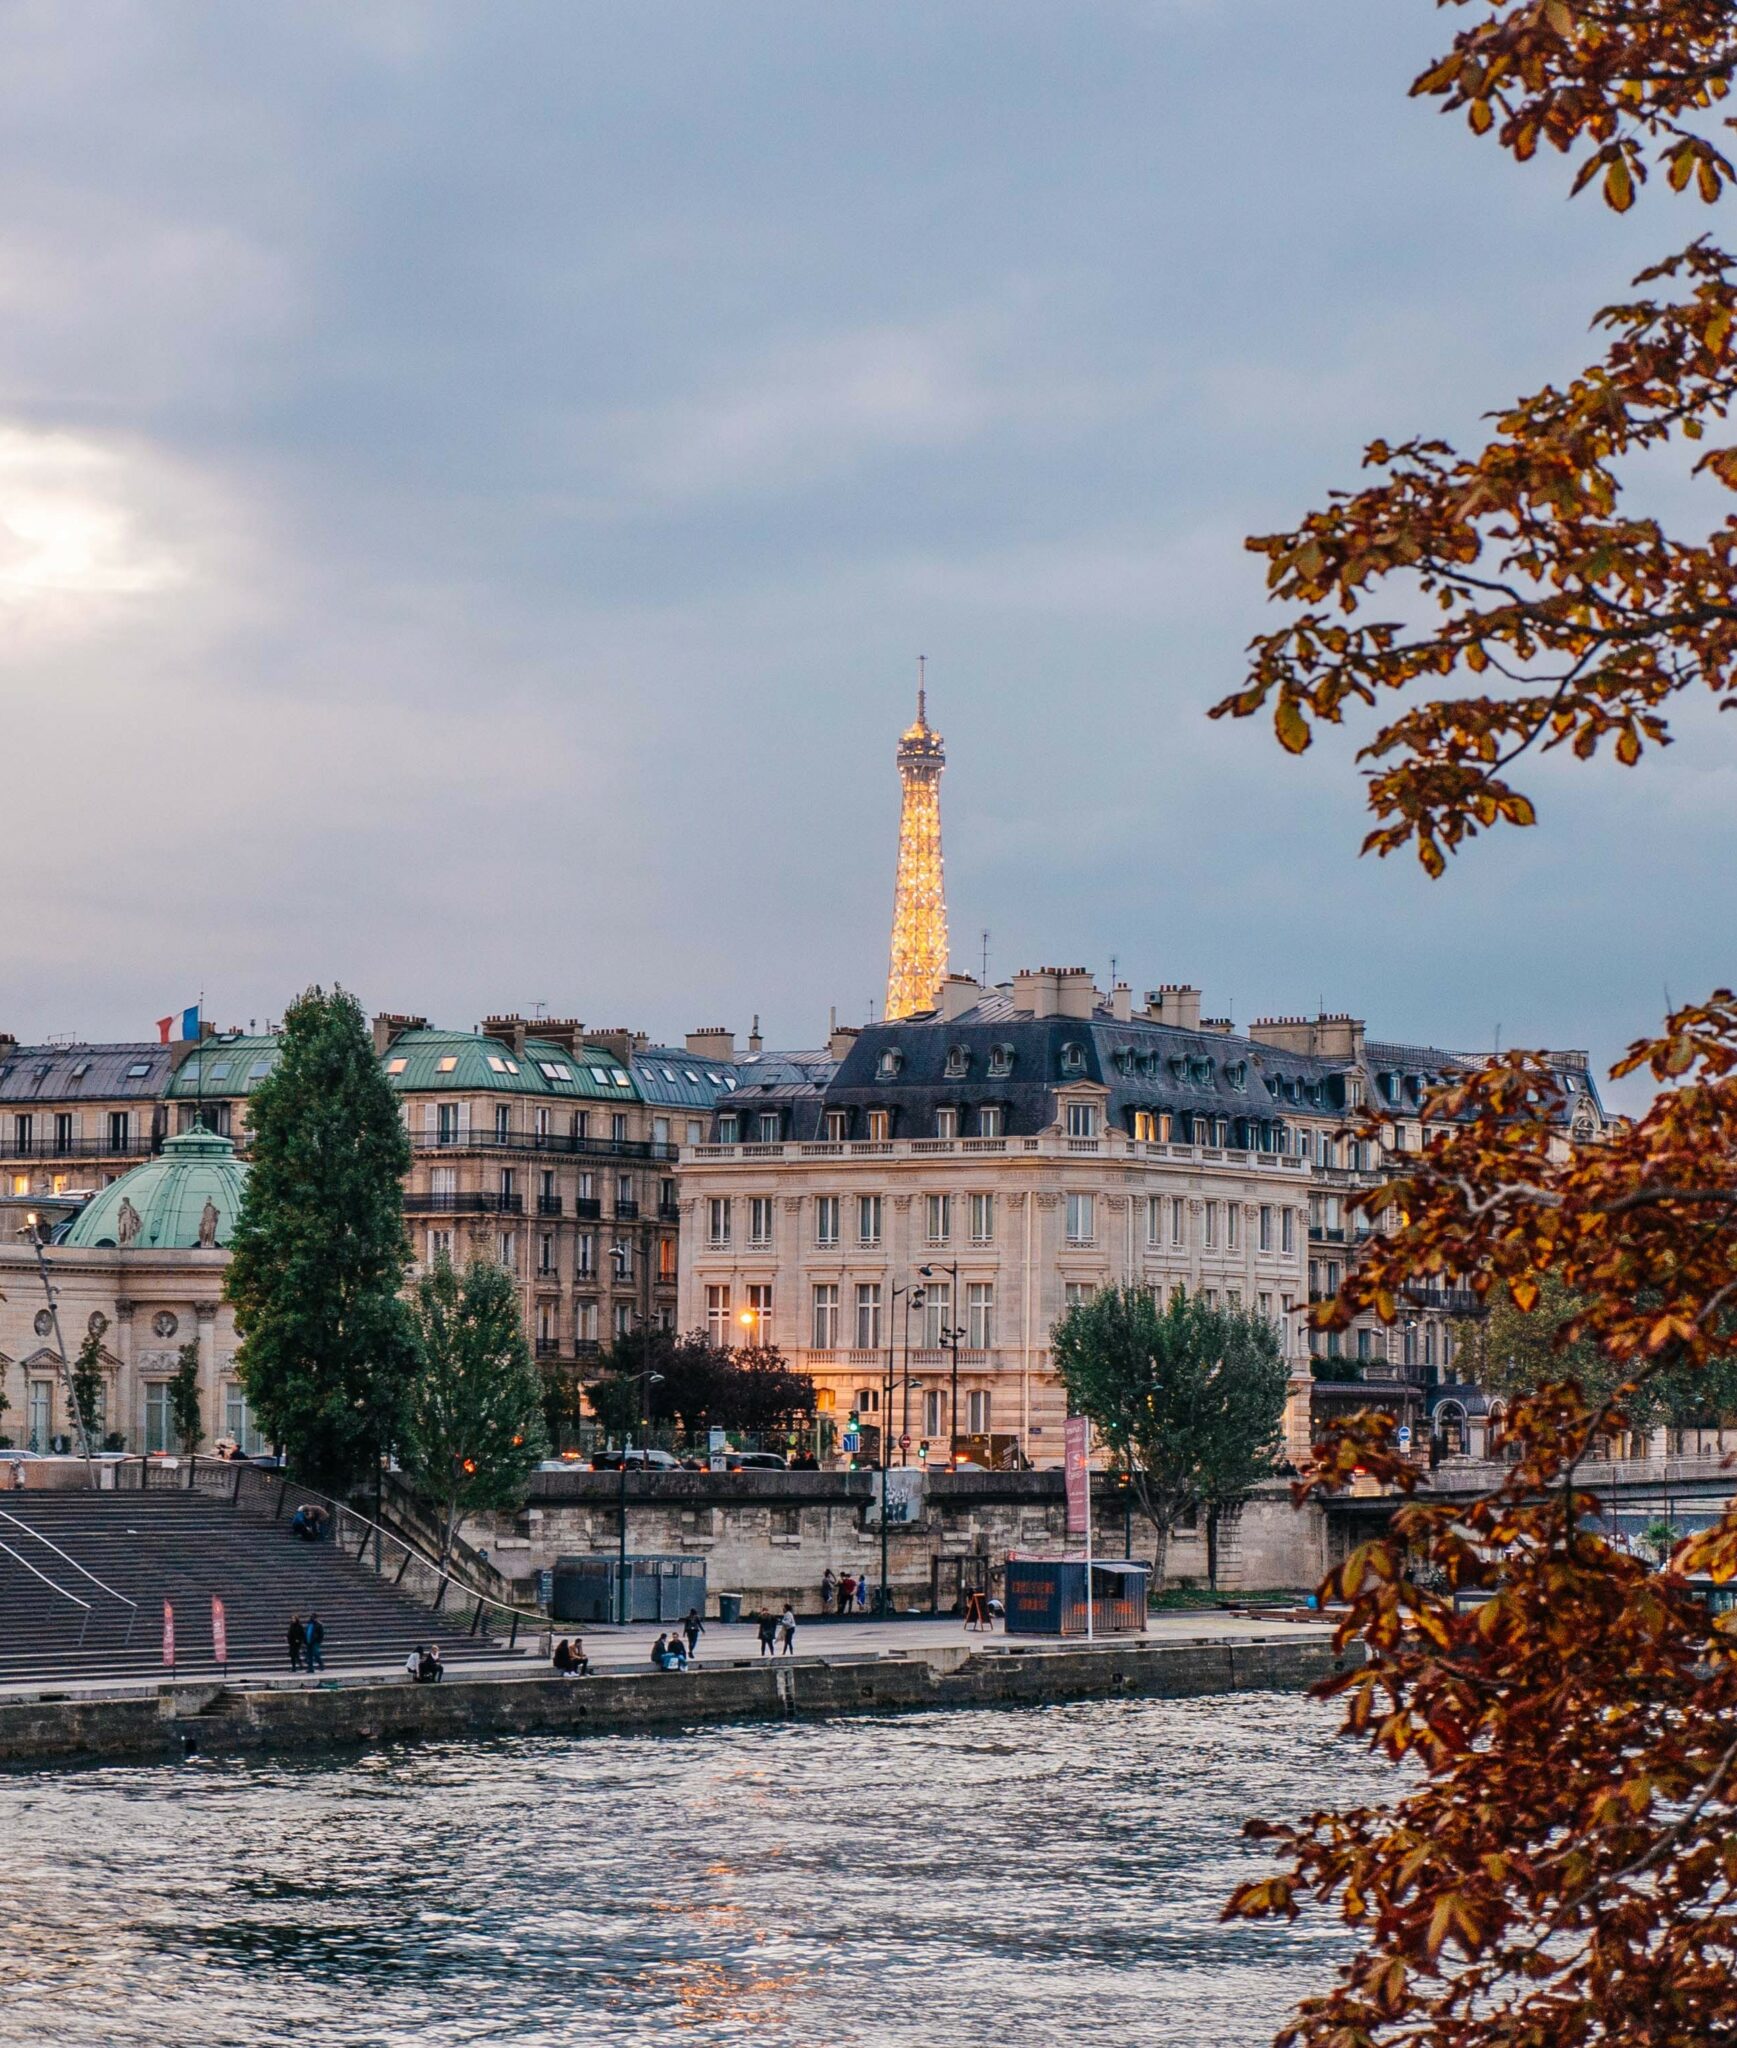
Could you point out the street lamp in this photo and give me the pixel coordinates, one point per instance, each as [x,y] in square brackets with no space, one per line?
[621,1615]
[950,1336]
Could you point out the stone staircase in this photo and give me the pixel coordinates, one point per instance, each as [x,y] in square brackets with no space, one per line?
[184,1547]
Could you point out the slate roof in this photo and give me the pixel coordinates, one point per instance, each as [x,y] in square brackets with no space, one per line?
[84,1073]
[675,1079]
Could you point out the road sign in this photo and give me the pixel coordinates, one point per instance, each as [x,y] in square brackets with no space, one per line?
[851,1440]
[904,1443]
[1404,1438]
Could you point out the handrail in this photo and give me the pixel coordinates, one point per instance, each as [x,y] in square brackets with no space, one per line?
[339,1507]
[113,1591]
[52,1587]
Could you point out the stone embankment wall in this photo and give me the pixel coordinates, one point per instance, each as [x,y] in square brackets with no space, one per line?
[770,1536]
[217,1720]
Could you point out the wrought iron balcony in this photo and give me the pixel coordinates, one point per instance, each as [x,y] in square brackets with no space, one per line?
[539,1142]
[548,1205]
[451,1202]
[588,1209]
[138,1146]
[627,1211]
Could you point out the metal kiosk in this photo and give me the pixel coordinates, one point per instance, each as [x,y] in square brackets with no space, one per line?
[1046,1596]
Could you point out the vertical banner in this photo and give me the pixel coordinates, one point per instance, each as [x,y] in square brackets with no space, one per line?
[1075,1445]
[168,1635]
[219,1632]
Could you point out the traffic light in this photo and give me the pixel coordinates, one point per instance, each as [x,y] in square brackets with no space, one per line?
[855,1422]
[923,1452]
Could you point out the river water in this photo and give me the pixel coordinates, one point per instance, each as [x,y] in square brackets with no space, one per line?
[1041,1876]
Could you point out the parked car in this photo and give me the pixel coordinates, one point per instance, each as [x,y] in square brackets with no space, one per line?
[750,1461]
[639,1459]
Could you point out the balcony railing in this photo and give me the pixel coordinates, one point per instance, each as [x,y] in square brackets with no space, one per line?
[548,1347]
[588,1209]
[138,1146]
[669,1212]
[1111,1145]
[548,1205]
[539,1142]
[434,1202]
[627,1211]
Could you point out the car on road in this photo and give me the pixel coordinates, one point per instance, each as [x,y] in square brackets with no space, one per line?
[638,1459]
[749,1461]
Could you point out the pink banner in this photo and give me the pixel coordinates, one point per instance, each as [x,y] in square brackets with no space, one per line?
[219,1631]
[168,1633]
[1076,1449]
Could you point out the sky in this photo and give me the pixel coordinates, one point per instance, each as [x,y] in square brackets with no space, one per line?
[475,481]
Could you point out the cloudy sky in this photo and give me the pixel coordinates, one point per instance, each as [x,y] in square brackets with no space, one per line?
[475,480]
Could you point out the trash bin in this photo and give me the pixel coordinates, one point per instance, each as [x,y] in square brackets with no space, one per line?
[729,1607]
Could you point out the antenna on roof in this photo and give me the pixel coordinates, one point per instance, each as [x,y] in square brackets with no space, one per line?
[984,977]
[538,1009]
[922,689]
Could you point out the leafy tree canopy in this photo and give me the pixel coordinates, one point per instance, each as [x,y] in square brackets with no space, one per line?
[319,1252]
[701,1385]
[474,1416]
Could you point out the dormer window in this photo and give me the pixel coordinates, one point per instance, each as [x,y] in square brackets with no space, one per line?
[1237,1073]
[1178,1067]
[958,1062]
[769,1131]
[1200,1071]
[1001,1060]
[1073,1058]
[728,1127]
[946,1123]
[991,1121]
[1082,1119]
[890,1062]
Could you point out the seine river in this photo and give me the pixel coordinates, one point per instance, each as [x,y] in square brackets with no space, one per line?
[1029,1877]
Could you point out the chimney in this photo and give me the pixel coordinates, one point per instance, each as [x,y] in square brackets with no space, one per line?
[566,1032]
[1034,990]
[715,1042]
[1220,1026]
[1076,992]
[510,1027]
[8,1043]
[959,993]
[620,1044]
[1122,1002]
[840,1040]
[1330,1036]
[1175,1004]
[754,1034]
[388,1026]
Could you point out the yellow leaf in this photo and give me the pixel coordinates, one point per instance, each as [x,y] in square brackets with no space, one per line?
[1560,17]
[1291,726]
[1525,1293]
[1618,186]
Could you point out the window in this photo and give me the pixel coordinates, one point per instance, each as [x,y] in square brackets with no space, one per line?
[946,1123]
[728,1129]
[22,1128]
[880,1126]
[1076,1293]
[1001,1060]
[545,1324]
[443,1182]
[1285,1229]
[1081,1219]
[940,1218]
[660,1130]
[138,1070]
[64,1130]
[1178,1220]
[666,1258]
[1232,1225]
[889,1063]
[238,1422]
[587,1254]
[825,1333]
[868,1401]
[837,1125]
[977,1413]
[120,1122]
[982,1219]
[587,1188]
[546,1252]
[991,1121]
[623,1321]
[1146,1126]
[868,1219]
[760,1219]
[624,1201]
[718,1220]
[509,1188]
[666,1196]
[581,1123]
[937,1312]
[542,1123]
[1266,1227]
[718,1328]
[826,1220]
[758,1329]
[159,1416]
[769,1127]
[618,1128]
[1082,1119]
[868,1315]
[448,1065]
[958,1061]
[1365,1344]
[980,1314]
[508,1250]
[446,1124]
[934,1413]
[1073,1058]
[695,1130]
[1209,1234]
[621,1261]
[585,1322]
[439,1246]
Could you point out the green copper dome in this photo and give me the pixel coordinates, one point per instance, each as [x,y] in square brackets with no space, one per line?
[184,1199]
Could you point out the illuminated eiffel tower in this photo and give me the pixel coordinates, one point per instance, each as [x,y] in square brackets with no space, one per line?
[919,962]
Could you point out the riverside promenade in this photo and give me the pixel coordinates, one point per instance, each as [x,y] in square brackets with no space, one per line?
[845,1667]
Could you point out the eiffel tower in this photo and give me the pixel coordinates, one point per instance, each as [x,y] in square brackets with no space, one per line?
[919,960]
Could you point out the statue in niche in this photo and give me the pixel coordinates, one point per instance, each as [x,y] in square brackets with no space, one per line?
[127,1222]
[208,1226]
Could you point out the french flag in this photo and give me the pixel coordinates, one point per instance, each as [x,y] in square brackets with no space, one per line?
[184,1026]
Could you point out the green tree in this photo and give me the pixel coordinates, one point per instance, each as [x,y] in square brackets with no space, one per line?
[319,1252]
[1188,1398]
[87,1385]
[474,1421]
[184,1399]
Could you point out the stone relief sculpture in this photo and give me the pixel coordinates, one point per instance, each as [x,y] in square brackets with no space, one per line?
[127,1222]
[208,1226]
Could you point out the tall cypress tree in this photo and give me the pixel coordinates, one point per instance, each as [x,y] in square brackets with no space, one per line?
[319,1252]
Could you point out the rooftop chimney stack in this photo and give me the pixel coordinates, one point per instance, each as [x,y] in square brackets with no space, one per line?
[714,1042]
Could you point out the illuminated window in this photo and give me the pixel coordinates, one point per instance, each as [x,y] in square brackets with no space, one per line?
[447,1065]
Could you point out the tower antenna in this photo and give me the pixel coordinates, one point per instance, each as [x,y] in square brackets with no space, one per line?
[985,974]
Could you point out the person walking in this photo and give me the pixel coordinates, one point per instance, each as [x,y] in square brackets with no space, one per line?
[828,1590]
[298,1641]
[862,1594]
[787,1629]
[693,1628]
[316,1633]
[768,1634]
[846,1592]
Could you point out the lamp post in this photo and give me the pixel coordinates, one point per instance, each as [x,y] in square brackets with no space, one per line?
[621,1615]
[51,1295]
[950,1336]
[913,1301]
